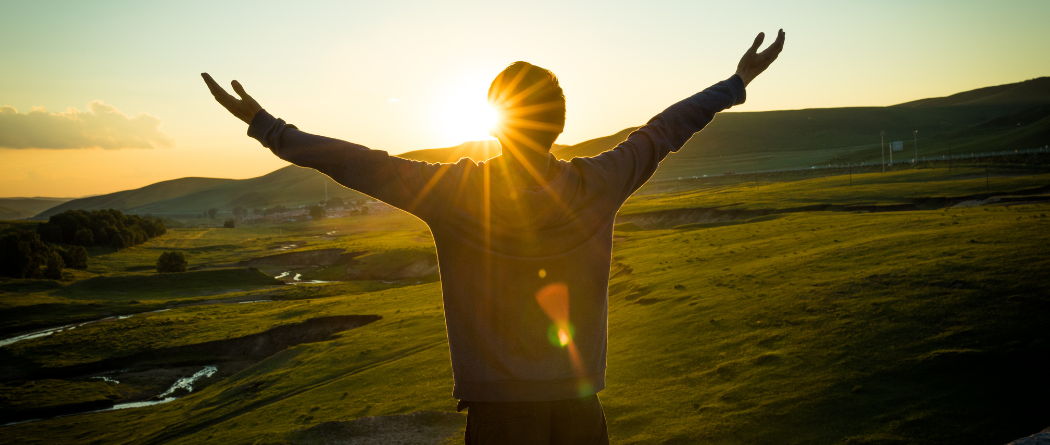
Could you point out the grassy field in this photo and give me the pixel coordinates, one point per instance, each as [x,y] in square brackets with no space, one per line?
[895,187]
[918,327]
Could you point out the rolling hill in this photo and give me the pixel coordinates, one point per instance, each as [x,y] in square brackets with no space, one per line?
[289,186]
[1004,117]
[19,208]
[131,199]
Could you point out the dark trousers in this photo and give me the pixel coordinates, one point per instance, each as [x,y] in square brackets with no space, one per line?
[572,421]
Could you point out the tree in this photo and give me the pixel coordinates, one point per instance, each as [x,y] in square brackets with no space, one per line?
[99,227]
[335,202]
[212,212]
[170,262]
[229,224]
[240,212]
[317,213]
[76,258]
[50,233]
[21,254]
[54,266]
[84,237]
[364,210]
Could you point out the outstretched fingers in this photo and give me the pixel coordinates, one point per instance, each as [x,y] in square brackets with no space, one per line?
[758,43]
[217,91]
[776,47]
[240,90]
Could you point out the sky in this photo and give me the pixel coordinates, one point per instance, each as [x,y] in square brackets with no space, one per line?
[102,96]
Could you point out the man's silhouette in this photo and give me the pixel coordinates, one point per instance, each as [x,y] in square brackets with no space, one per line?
[523,241]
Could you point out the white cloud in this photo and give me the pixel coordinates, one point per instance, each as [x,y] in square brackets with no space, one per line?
[101,126]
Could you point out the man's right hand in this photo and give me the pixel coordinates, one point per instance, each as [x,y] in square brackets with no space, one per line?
[245,108]
[754,63]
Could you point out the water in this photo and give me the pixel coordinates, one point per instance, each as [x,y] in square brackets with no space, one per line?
[165,397]
[297,279]
[70,327]
[49,331]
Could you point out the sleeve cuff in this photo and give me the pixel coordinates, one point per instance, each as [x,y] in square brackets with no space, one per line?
[737,84]
[260,125]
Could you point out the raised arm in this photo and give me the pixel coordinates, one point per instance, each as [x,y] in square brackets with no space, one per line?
[628,166]
[409,185]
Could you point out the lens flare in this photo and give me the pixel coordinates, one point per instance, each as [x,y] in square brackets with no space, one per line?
[563,337]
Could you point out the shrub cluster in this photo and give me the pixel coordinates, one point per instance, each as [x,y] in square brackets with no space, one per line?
[171,262]
[24,255]
[100,228]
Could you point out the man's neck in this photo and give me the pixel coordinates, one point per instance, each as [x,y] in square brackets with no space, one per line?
[530,163]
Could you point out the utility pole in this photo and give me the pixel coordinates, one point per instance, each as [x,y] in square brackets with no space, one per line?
[916,147]
[949,157]
[882,143]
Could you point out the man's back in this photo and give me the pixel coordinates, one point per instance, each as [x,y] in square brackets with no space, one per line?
[524,255]
[524,243]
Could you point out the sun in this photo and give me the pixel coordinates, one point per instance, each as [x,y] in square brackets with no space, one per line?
[464,119]
[462,112]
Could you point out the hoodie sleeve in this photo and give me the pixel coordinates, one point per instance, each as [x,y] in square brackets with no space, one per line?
[628,166]
[409,185]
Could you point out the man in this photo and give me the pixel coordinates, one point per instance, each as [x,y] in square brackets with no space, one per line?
[523,241]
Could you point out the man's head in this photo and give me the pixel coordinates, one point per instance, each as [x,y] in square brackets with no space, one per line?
[531,107]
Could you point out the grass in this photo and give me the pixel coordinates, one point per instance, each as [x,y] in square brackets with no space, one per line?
[809,328]
[43,394]
[175,327]
[899,187]
[167,286]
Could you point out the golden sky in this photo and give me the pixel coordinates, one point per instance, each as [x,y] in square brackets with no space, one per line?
[98,97]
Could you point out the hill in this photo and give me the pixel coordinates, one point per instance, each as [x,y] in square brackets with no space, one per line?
[19,208]
[288,186]
[130,199]
[995,118]
[1033,91]
[476,150]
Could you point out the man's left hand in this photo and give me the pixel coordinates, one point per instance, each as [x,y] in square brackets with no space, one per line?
[244,108]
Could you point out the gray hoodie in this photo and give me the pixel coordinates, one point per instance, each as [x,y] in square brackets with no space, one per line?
[524,263]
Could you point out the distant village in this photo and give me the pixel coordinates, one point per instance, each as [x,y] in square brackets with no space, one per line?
[333,208]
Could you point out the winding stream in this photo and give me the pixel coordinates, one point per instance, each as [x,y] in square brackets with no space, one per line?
[68,327]
[184,383]
[297,279]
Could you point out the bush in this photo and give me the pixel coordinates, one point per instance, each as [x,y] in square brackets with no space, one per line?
[171,262]
[75,257]
[54,267]
[317,213]
[84,237]
[21,255]
[100,227]
[229,224]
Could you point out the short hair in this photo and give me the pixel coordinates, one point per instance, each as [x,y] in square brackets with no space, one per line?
[530,101]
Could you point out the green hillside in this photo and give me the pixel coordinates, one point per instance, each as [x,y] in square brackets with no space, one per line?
[1033,91]
[288,186]
[19,208]
[130,199]
[996,118]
